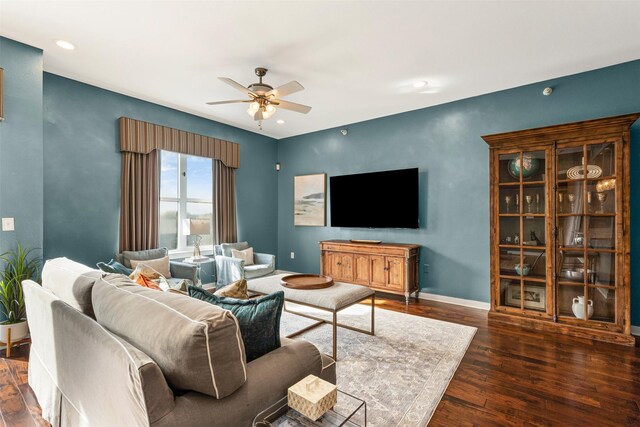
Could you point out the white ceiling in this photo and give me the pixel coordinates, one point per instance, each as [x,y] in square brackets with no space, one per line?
[356,59]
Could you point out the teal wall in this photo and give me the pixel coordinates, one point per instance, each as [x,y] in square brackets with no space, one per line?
[445,143]
[82,169]
[21,146]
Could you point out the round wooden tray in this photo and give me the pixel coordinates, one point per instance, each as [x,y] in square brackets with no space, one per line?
[306,281]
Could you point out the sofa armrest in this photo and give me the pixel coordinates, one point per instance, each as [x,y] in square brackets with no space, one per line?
[182,270]
[268,379]
[228,270]
[265,259]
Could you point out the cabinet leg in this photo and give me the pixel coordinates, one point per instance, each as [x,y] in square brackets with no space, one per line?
[418,294]
[406,297]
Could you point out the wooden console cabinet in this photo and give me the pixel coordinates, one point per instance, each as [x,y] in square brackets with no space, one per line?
[386,267]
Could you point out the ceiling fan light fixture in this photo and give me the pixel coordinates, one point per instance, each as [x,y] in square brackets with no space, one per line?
[270,109]
[268,112]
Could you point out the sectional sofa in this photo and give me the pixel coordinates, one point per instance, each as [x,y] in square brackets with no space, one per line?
[107,352]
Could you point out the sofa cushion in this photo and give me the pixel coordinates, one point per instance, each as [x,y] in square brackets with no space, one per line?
[114,266]
[259,319]
[227,247]
[197,346]
[127,256]
[71,281]
[161,265]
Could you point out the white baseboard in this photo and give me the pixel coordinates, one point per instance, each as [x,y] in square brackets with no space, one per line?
[457,301]
[635,330]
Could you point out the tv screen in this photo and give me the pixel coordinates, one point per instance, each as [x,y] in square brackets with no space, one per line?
[375,200]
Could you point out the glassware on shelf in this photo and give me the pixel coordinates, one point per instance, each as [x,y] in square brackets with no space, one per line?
[517,203]
[507,201]
[537,202]
[589,201]
[528,199]
[602,197]
[560,201]
[572,202]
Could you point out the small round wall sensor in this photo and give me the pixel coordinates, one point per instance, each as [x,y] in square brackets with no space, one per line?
[344,132]
[547,91]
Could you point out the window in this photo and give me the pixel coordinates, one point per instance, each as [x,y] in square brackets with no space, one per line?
[185,192]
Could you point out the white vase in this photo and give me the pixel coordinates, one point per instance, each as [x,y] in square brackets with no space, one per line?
[578,308]
[18,331]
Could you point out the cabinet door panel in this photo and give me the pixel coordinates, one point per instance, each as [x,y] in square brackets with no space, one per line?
[361,274]
[327,264]
[336,266]
[395,268]
[378,271]
[347,267]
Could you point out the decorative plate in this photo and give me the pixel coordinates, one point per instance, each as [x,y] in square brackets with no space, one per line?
[577,172]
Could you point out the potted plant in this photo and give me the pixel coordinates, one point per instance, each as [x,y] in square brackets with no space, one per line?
[19,266]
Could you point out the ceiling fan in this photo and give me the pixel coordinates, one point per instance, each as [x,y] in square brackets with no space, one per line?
[264,100]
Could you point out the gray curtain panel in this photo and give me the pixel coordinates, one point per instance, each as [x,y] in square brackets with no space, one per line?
[139,201]
[224,203]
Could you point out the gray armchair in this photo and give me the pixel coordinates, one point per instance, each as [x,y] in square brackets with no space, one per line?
[179,270]
[229,269]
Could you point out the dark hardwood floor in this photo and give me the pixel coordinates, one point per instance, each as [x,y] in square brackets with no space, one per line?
[509,376]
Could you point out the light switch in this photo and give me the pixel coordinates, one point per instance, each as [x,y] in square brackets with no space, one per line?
[293,255]
[7,224]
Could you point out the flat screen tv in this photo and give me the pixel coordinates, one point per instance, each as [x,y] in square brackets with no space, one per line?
[386,199]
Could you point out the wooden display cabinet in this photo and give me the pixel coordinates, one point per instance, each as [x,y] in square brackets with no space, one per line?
[560,228]
[387,267]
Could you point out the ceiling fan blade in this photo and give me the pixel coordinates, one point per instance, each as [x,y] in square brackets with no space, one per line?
[229,102]
[286,89]
[286,105]
[236,85]
[258,115]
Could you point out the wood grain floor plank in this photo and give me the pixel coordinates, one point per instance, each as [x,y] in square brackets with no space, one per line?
[508,377]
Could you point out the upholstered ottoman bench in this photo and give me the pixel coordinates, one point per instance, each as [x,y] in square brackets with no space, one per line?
[332,299]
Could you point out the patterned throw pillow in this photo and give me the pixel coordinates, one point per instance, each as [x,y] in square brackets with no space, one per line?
[236,289]
[161,265]
[246,255]
[259,319]
[143,280]
[114,267]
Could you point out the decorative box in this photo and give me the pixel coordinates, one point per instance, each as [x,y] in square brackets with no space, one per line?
[312,397]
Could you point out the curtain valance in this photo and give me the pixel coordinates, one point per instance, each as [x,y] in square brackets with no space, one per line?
[142,137]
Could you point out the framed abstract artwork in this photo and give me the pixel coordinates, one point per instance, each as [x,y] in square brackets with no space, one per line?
[310,200]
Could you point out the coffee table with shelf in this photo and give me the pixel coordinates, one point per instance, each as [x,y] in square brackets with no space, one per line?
[350,411]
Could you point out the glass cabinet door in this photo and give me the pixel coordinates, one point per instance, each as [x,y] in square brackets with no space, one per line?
[586,234]
[523,232]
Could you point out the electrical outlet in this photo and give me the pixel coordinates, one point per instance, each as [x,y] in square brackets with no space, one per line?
[293,255]
[425,268]
[7,224]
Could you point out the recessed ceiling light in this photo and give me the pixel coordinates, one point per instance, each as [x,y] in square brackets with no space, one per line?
[280,122]
[419,84]
[65,44]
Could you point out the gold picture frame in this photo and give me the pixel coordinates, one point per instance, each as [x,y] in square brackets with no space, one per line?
[310,200]
[535,297]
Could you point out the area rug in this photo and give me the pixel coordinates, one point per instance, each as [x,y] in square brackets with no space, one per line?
[401,372]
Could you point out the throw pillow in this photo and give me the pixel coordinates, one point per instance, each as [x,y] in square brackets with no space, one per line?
[114,267]
[143,280]
[259,319]
[236,289]
[246,255]
[161,265]
[226,247]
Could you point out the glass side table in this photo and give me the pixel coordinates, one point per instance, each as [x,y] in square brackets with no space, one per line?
[198,262]
[350,411]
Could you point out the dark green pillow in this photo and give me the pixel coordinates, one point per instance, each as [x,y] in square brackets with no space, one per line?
[259,319]
[114,267]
